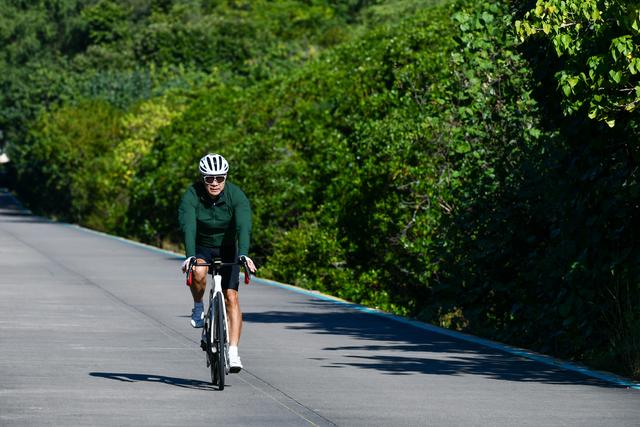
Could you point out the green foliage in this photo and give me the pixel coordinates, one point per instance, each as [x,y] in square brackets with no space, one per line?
[599,42]
[68,50]
[106,21]
[60,165]
[32,74]
[307,256]
[546,268]
[490,154]
[323,151]
[139,130]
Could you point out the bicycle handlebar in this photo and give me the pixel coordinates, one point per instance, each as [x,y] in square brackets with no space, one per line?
[218,263]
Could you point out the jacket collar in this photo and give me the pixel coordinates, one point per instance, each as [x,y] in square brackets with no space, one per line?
[207,199]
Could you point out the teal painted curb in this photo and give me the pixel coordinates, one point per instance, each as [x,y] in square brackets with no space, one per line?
[125,240]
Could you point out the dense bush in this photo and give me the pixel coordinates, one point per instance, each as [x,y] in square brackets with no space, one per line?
[583,254]
[60,164]
[66,50]
[598,44]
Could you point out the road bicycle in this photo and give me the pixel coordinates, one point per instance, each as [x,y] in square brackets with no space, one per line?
[215,333]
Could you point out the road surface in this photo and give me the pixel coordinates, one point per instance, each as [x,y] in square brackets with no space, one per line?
[94,331]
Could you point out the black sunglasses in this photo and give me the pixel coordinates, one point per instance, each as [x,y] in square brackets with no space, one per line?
[211,179]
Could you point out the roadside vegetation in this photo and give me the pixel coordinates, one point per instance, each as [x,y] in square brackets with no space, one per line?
[468,163]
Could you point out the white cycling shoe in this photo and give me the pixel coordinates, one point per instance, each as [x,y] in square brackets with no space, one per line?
[235,365]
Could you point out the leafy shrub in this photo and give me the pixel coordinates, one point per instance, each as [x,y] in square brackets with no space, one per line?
[59,168]
[598,43]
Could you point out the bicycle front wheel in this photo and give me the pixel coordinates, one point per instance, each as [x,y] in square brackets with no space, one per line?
[212,359]
[221,343]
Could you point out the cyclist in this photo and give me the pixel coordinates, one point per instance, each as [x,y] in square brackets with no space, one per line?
[215,218]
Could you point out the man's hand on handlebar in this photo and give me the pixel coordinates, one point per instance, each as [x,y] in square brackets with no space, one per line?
[249,262]
[187,262]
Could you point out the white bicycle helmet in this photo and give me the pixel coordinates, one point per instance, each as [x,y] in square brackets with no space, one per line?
[213,164]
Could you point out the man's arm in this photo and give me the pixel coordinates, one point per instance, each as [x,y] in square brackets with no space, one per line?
[187,221]
[242,212]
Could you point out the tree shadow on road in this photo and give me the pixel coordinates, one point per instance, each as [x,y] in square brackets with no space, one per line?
[21,216]
[178,382]
[373,342]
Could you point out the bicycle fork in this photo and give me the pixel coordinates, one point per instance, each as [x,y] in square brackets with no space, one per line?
[217,288]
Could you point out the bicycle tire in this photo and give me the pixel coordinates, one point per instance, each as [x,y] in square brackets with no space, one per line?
[207,340]
[211,338]
[225,347]
[221,343]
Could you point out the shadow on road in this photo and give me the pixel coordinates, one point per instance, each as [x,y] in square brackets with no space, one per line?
[178,382]
[399,349]
[6,212]
[20,216]
[12,211]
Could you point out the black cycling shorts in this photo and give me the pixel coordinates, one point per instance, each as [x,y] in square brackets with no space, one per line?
[230,274]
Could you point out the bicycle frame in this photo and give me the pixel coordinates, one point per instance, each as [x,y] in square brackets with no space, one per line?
[214,269]
[217,290]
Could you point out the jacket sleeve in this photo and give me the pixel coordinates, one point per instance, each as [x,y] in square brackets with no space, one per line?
[187,221]
[242,212]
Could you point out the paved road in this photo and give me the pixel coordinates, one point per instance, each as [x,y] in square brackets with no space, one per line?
[94,332]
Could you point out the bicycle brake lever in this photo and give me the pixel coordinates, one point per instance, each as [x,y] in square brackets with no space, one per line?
[247,272]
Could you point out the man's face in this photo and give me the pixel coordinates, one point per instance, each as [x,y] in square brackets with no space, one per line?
[214,184]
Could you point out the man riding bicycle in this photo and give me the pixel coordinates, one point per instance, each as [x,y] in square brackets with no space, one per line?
[215,218]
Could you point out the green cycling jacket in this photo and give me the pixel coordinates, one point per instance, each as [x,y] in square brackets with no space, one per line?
[213,222]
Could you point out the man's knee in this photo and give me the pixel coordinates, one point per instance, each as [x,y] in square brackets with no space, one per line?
[200,273]
[231,297]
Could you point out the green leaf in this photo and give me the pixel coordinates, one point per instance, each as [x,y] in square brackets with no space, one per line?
[463,147]
[487,17]
[565,308]
[573,81]
[539,9]
[616,76]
